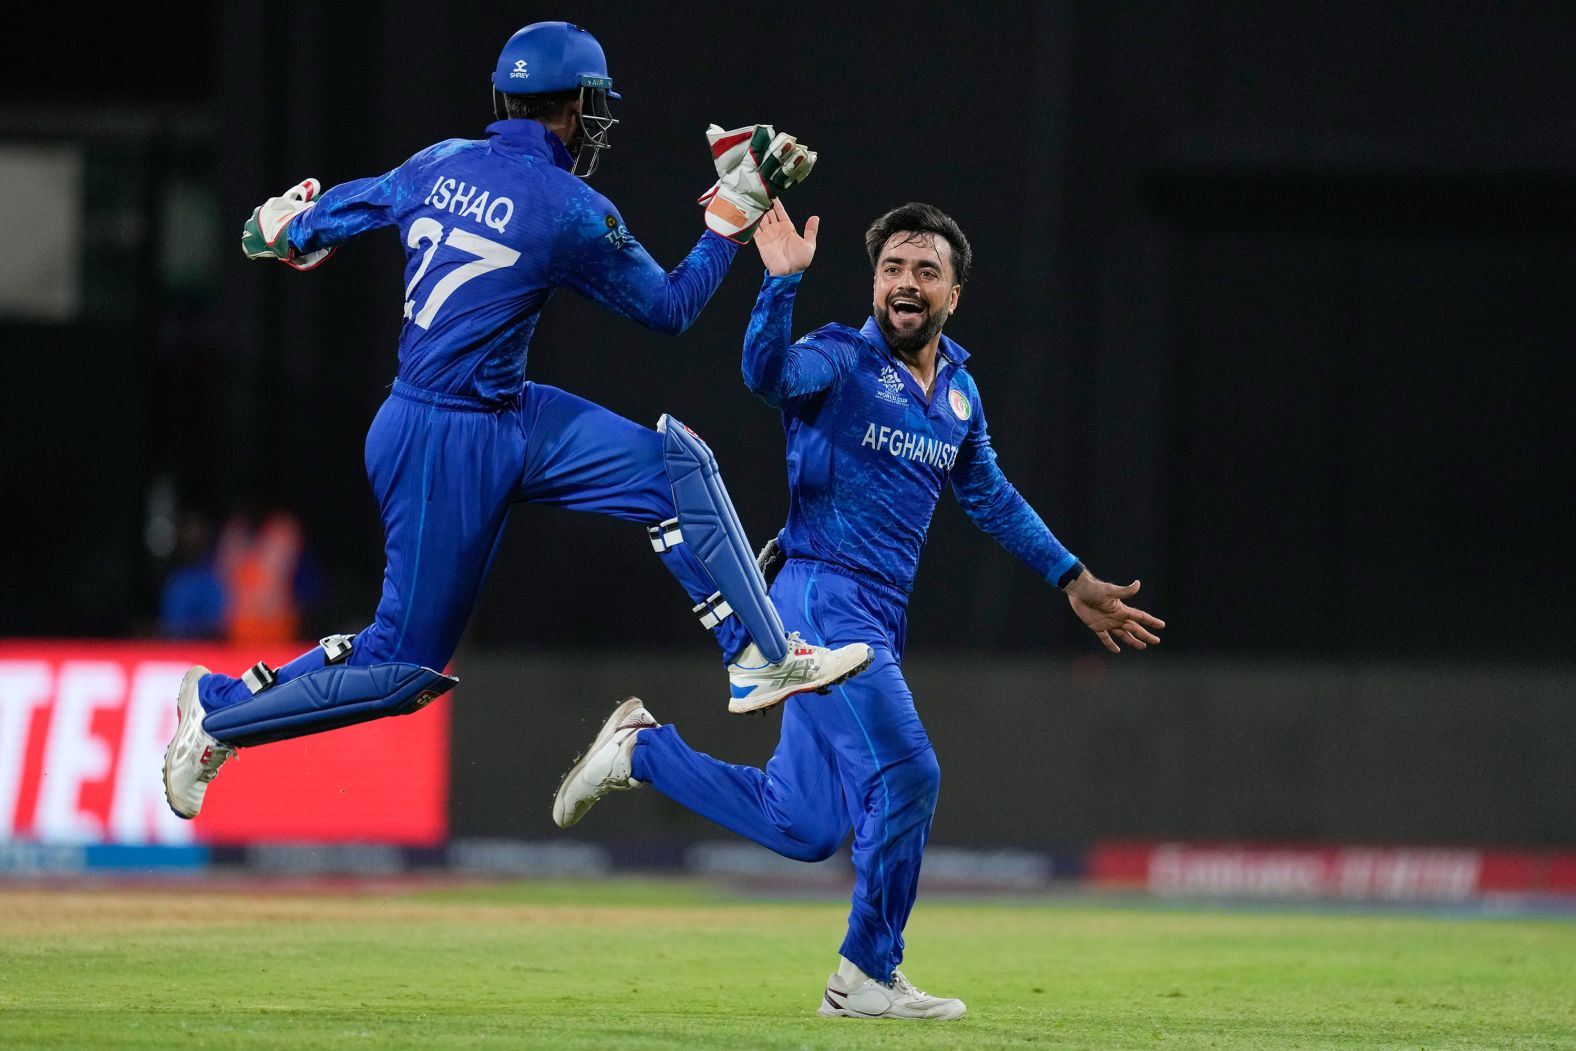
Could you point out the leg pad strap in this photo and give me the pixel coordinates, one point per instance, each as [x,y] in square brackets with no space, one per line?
[665,537]
[259,677]
[713,611]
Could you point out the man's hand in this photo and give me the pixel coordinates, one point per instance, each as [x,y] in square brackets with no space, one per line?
[754,164]
[1100,606]
[782,249]
[264,235]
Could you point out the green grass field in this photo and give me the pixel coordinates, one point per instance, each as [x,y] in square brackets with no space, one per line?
[634,964]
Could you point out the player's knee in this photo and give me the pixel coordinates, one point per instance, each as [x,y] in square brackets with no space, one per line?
[817,849]
[810,836]
[371,645]
[377,644]
[921,779]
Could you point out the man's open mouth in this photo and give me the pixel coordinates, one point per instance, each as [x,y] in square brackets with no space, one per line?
[906,307]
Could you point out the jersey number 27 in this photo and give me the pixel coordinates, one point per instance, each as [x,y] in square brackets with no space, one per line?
[490,255]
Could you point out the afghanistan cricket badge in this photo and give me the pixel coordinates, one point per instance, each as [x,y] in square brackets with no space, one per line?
[960,403]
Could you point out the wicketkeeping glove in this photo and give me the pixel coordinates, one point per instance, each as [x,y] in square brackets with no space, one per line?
[770,559]
[754,165]
[263,235]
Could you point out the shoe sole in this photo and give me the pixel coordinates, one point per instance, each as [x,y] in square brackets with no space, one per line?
[826,1012]
[609,728]
[745,705]
[831,1009]
[190,678]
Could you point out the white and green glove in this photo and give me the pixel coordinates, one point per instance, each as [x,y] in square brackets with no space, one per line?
[754,165]
[263,236]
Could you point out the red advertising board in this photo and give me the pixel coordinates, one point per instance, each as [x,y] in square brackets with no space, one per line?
[1366,873]
[83,726]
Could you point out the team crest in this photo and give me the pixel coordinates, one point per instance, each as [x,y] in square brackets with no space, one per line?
[960,404]
[890,386]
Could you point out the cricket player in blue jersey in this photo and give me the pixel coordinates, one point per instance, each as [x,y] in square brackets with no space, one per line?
[491,227]
[879,420]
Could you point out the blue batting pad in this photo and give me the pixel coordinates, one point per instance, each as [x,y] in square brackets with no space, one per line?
[711,529]
[335,696]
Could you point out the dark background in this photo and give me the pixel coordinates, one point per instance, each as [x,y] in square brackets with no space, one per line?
[1272,307]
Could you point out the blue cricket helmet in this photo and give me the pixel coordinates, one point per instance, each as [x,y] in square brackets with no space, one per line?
[549,57]
[552,56]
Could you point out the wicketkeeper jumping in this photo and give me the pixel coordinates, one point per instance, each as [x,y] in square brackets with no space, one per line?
[491,227]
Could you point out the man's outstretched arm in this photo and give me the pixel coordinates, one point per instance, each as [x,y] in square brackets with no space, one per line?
[774,366]
[602,261]
[1000,510]
[345,211]
[304,225]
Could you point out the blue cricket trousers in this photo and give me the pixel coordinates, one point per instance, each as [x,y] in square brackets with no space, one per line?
[857,758]
[446,469]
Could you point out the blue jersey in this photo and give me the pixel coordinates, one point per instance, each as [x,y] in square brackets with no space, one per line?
[869,454]
[490,228]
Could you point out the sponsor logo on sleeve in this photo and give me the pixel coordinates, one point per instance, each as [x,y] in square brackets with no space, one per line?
[618,234]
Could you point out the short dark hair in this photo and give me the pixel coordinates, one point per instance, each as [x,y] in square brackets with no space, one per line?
[924,219]
[548,106]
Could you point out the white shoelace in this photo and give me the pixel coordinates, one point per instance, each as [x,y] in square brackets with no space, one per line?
[901,984]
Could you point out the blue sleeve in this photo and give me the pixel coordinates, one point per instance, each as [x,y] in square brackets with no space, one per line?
[344,211]
[599,258]
[999,509]
[774,366]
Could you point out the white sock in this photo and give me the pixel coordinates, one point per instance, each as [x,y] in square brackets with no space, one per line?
[850,974]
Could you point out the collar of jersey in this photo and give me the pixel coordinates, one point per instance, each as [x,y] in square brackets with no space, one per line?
[950,353]
[529,137]
[947,349]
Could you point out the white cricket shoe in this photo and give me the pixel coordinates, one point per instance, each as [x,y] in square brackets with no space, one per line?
[194,756]
[606,766]
[869,998]
[755,684]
